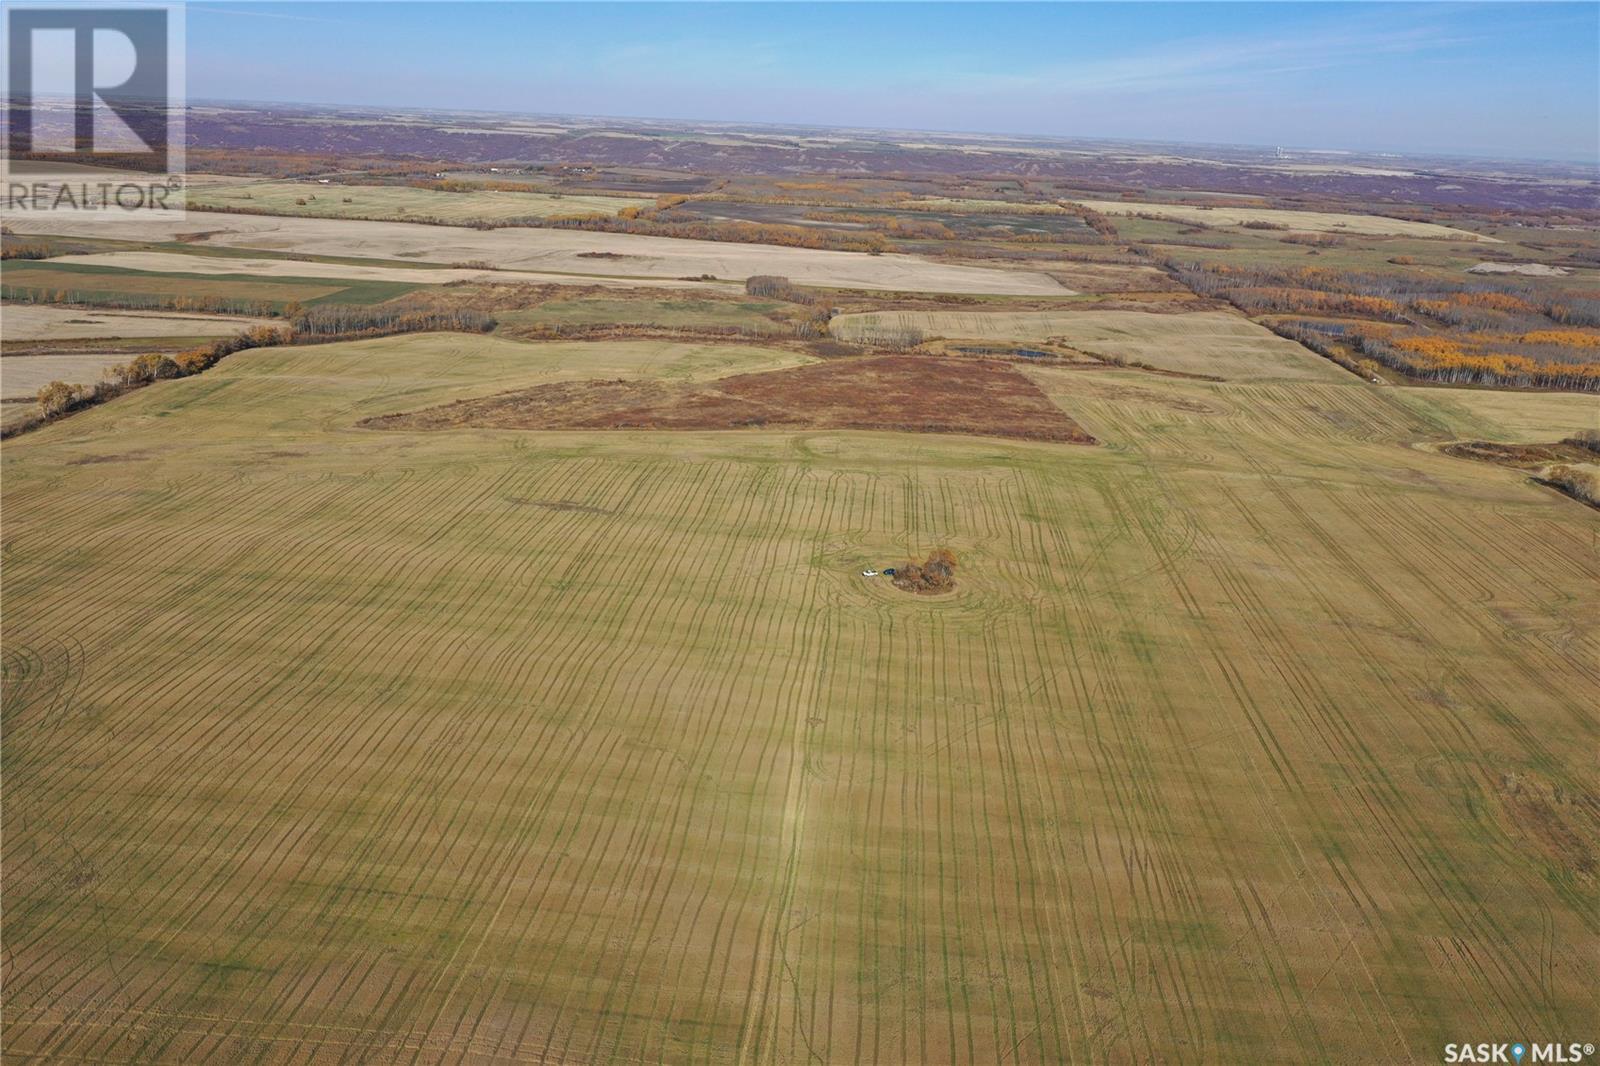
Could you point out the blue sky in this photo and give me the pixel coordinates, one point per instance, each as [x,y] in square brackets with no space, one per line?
[1518,79]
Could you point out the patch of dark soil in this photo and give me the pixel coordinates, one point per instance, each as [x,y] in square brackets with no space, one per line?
[1564,824]
[909,393]
[122,457]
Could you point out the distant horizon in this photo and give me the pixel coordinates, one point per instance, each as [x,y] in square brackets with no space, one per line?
[1511,81]
[754,123]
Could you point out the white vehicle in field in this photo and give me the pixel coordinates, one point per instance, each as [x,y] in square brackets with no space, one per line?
[869,572]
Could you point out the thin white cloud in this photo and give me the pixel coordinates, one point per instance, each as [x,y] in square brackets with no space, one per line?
[1217,62]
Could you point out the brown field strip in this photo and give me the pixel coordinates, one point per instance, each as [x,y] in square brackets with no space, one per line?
[984,397]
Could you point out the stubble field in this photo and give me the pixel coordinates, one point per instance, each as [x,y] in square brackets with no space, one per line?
[1254,734]
[37,322]
[377,270]
[1313,221]
[1216,343]
[570,251]
[314,200]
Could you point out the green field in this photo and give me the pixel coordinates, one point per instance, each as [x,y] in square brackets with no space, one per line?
[86,283]
[1257,734]
[315,200]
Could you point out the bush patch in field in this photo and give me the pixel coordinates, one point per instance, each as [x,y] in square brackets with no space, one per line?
[917,394]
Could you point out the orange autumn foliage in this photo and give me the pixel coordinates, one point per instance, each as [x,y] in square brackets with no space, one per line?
[1566,338]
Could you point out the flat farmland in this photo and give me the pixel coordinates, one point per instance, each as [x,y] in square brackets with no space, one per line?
[1219,343]
[1025,219]
[314,200]
[396,272]
[1511,417]
[569,251]
[1311,221]
[13,413]
[53,279]
[21,377]
[751,315]
[33,322]
[1254,734]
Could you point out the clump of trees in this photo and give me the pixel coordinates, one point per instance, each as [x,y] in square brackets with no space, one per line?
[1576,481]
[937,574]
[57,398]
[30,250]
[348,322]
[1313,240]
[1319,338]
[778,287]
[1588,439]
[1093,219]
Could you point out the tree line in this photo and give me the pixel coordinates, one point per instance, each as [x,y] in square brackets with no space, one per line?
[319,325]
[1427,328]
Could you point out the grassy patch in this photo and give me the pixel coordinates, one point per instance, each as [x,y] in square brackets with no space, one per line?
[89,283]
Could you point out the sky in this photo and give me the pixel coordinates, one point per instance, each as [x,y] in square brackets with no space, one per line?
[1515,79]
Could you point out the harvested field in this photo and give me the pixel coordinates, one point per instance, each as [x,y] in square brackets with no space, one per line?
[1217,343]
[314,200]
[1533,270]
[13,413]
[981,207]
[1311,221]
[749,315]
[921,394]
[179,263]
[1246,737]
[27,322]
[562,251]
[21,377]
[64,282]
[1113,278]
[90,284]
[1512,417]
